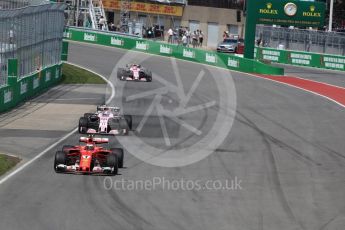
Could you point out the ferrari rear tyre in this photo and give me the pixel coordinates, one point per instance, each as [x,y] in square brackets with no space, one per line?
[112,161]
[120,156]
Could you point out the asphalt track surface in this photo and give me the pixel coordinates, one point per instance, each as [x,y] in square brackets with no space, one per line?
[285,145]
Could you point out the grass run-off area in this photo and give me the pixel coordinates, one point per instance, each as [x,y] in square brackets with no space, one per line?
[74,75]
[7,162]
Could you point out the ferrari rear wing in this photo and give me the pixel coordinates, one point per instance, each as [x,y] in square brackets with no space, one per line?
[96,140]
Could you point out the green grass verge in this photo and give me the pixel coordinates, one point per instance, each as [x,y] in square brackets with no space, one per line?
[74,75]
[7,162]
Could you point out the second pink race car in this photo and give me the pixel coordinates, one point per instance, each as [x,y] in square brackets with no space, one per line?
[134,72]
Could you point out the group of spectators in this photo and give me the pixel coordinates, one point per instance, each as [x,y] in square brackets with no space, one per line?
[185,37]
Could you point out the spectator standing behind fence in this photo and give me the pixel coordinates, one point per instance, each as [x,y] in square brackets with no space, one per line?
[184,40]
[201,38]
[194,39]
[11,36]
[197,37]
[170,35]
[112,27]
[225,35]
[188,36]
[176,38]
[101,23]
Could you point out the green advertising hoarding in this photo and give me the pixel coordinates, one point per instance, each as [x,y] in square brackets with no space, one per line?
[290,57]
[280,12]
[163,49]
[21,89]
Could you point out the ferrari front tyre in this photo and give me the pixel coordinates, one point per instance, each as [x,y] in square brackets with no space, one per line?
[112,162]
[120,156]
[82,127]
[129,121]
[60,158]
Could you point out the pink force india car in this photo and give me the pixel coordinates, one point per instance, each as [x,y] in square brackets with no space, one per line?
[134,72]
[107,120]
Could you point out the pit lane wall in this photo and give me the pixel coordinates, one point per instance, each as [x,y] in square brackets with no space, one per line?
[19,90]
[196,55]
[323,61]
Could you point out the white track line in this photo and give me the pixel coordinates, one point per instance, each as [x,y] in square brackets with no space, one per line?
[22,167]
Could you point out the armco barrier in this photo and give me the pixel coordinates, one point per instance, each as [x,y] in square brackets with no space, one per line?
[196,55]
[323,61]
[18,90]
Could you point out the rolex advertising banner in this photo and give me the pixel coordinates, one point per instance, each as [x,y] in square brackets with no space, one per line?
[291,13]
[280,12]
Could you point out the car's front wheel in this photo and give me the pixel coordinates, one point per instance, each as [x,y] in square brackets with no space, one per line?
[60,158]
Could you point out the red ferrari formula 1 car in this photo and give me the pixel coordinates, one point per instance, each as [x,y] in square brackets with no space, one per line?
[89,157]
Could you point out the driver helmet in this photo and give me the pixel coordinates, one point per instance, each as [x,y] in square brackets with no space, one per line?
[106,111]
[89,147]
